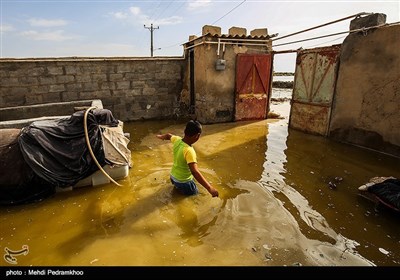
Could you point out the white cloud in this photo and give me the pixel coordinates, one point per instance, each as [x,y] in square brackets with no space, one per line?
[119,15]
[41,22]
[135,11]
[193,5]
[169,21]
[6,28]
[136,16]
[57,35]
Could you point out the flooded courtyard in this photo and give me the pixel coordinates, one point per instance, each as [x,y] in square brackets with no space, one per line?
[276,207]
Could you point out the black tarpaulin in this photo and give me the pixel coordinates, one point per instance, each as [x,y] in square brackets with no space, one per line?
[388,191]
[18,183]
[56,150]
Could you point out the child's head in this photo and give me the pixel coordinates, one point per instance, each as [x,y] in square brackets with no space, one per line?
[193,130]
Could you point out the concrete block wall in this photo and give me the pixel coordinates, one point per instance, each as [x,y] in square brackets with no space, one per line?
[132,88]
[21,116]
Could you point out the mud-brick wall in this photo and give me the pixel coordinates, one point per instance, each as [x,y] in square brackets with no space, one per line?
[366,109]
[132,88]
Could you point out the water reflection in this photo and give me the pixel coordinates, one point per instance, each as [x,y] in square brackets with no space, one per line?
[317,179]
[276,206]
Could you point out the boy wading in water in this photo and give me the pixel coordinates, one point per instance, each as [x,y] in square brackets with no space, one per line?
[184,167]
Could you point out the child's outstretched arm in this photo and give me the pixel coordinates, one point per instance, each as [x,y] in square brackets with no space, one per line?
[200,178]
[166,136]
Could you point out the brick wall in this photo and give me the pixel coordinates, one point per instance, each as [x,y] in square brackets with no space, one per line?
[132,88]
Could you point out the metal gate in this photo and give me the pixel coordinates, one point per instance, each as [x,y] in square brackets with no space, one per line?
[314,87]
[253,75]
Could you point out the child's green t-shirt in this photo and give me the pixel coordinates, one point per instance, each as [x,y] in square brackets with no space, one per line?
[183,155]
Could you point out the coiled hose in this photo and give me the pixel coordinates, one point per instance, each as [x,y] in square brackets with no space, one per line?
[90,148]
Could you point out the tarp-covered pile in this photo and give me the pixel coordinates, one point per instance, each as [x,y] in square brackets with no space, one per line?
[385,190]
[49,154]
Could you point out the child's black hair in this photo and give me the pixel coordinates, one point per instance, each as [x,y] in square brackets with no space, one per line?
[193,128]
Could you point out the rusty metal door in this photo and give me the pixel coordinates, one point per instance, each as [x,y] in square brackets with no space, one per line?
[253,75]
[314,87]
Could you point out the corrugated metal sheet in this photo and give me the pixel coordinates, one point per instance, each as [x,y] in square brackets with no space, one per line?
[314,87]
[227,36]
[253,72]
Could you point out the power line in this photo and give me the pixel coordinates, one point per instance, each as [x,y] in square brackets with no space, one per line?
[237,6]
[151,28]
[179,7]
[234,8]
[155,10]
[162,12]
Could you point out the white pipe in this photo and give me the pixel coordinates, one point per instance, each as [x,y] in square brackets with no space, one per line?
[219,44]
[231,43]
[245,40]
[228,43]
[90,148]
[319,37]
[363,29]
[195,45]
[322,25]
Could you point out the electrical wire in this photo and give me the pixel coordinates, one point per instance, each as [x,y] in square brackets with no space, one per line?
[234,8]
[162,12]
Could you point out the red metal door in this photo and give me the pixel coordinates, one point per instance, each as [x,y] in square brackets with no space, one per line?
[253,74]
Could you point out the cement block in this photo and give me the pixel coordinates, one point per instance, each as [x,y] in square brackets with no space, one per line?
[368,21]
[192,37]
[65,79]
[259,32]
[237,31]
[210,29]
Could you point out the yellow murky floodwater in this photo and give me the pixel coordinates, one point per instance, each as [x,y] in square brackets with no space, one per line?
[275,208]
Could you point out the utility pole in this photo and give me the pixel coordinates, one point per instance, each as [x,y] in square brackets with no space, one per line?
[151,28]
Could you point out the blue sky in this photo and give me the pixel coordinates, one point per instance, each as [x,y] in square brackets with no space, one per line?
[91,28]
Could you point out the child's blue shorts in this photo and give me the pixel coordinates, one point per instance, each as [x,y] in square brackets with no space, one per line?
[187,188]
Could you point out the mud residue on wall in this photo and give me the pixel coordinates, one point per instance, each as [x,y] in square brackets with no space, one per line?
[364,138]
[366,108]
